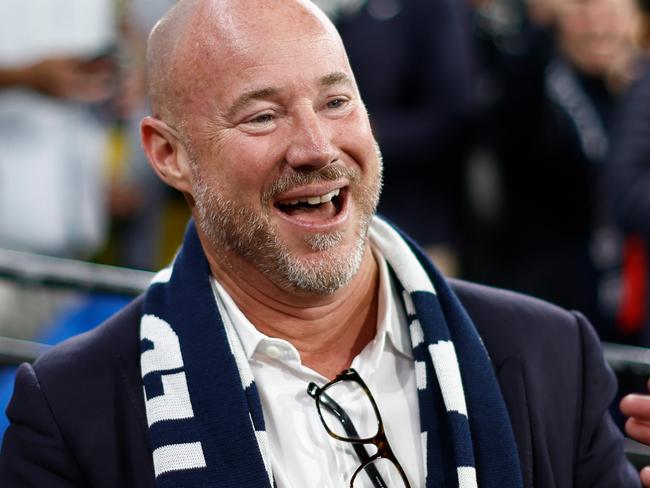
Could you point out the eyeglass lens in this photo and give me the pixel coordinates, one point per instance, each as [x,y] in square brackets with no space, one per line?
[349,399]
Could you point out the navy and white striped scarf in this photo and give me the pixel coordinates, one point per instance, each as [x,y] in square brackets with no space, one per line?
[206,425]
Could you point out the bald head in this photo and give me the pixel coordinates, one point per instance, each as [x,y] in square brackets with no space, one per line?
[265,108]
[192,43]
[162,50]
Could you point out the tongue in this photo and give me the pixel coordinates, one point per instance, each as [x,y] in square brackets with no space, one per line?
[312,213]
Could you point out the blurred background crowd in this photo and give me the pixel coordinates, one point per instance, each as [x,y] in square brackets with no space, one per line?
[515,135]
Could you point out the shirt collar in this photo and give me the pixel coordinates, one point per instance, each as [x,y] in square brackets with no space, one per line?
[249,336]
[391,321]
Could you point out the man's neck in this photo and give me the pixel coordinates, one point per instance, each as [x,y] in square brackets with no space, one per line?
[327,330]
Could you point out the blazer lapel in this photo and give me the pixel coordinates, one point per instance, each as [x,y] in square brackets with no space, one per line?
[510,375]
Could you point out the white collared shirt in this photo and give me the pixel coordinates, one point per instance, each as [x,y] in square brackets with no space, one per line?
[302,453]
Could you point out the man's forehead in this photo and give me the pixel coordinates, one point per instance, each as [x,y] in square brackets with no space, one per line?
[224,39]
[239,22]
[240,38]
[256,56]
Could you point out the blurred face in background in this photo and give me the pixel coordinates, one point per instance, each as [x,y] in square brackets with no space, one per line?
[541,12]
[595,35]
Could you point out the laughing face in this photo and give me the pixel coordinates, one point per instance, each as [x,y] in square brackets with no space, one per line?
[285,171]
[595,34]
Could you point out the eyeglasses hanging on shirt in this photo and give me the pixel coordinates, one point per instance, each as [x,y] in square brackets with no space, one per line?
[349,413]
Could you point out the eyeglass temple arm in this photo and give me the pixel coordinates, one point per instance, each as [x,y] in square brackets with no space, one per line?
[336,410]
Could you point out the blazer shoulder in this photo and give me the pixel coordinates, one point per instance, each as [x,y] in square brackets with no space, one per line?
[511,323]
[478,298]
[556,386]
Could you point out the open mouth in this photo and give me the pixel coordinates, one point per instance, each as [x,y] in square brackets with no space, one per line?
[316,208]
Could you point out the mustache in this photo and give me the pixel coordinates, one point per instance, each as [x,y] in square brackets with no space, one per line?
[295,178]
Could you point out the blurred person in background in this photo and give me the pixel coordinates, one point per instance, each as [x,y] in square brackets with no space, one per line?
[56,74]
[69,78]
[74,181]
[55,70]
[629,183]
[551,237]
[512,48]
[72,97]
[412,63]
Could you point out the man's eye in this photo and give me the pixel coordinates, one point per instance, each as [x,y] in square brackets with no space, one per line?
[337,103]
[262,119]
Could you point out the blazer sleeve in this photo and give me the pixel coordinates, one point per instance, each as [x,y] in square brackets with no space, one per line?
[600,461]
[34,454]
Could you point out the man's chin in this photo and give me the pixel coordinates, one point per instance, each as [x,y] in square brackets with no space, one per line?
[321,242]
[329,265]
[315,244]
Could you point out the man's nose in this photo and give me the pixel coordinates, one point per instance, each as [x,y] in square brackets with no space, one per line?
[310,143]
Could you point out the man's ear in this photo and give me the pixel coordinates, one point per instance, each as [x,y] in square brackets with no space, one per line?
[166,154]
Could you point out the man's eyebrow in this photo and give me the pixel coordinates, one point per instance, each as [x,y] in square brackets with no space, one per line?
[248,96]
[338,78]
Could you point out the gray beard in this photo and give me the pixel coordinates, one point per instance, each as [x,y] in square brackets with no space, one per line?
[250,235]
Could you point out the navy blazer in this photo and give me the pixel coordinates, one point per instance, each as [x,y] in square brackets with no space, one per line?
[78,416]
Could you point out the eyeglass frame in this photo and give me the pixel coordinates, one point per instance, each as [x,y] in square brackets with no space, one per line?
[379,440]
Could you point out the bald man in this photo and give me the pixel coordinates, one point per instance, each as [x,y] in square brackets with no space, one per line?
[297,340]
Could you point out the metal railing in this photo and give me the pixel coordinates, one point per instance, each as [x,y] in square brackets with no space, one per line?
[628,359]
[28,269]
[34,269]
[16,351]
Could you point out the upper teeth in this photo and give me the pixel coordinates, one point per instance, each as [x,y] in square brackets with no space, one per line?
[316,200]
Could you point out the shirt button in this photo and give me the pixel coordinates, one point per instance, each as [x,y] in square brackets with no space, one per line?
[273,352]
